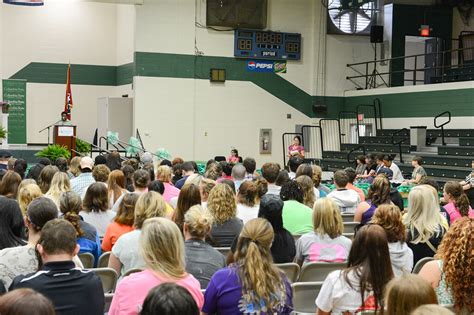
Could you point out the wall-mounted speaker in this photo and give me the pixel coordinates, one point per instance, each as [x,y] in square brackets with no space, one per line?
[321,109]
[376,34]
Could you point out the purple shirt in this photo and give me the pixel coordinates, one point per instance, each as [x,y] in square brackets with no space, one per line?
[224,295]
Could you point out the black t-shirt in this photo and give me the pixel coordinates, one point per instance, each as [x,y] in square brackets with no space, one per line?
[283,247]
[73,291]
[422,250]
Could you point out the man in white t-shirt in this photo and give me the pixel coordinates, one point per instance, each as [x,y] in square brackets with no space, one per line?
[397,177]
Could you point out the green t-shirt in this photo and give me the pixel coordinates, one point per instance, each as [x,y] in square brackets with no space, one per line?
[297,218]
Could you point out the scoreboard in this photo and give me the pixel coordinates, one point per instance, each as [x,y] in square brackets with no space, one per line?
[257,44]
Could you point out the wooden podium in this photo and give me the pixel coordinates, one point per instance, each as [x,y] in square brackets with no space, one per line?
[65,135]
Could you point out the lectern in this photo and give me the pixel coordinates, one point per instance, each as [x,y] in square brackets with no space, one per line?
[65,135]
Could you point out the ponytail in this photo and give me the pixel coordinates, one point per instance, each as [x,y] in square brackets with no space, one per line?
[75,220]
[462,203]
[460,199]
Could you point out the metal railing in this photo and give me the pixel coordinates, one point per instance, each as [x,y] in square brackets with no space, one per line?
[345,121]
[330,134]
[400,141]
[443,124]
[355,150]
[94,148]
[312,141]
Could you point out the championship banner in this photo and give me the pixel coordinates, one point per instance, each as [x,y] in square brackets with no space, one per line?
[25,2]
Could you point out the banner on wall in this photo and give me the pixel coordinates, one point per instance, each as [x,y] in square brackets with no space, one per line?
[14,93]
[24,2]
[266,66]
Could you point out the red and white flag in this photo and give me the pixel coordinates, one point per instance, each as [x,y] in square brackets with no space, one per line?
[68,102]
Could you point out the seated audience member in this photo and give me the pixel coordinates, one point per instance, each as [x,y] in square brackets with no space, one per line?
[452,273]
[26,194]
[169,299]
[12,227]
[100,160]
[9,184]
[401,256]
[101,173]
[397,177]
[226,170]
[293,164]
[361,285]
[468,185]
[370,170]
[431,309]
[128,171]
[205,187]
[156,186]
[202,260]
[20,258]
[95,209]
[70,205]
[125,253]
[187,170]
[115,186]
[307,186]
[177,172]
[247,208]
[133,162]
[250,166]
[238,175]
[4,157]
[307,169]
[351,176]
[213,171]
[80,183]
[24,301]
[194,179]
[74,167]
[346,199]
[406,293]
[379,162]
[72,290]
[163,174]
[296,216]
[316,177]
[418,171]
[252,284]
[326,243]
[141,180]
[270,173]
[21,166]
[188,197]
[458,203]
[434,184]
[425,224]
[361,165]
[223,209]
[282,178]
[45,177]
[59,184]
[113,161]
[162,246]
[379,194]
[262,188]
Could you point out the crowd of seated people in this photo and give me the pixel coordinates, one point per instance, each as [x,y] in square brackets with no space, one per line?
[210,242]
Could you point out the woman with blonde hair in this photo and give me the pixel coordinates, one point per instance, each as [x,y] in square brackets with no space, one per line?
[59,184]
[74,167]
[161,245]
[317,176]
[431,309]
[425,224]
[202,260]
[223,209]
[452,273]
[164,174]
[125,254]
[326,243]
[401,256]
[188,197]
[46,176]
[307,185]
[404,294]
[251,285]
[26,194]
[115,186]
[205,187]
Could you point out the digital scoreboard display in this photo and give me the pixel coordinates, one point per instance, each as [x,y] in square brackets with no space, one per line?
[257,44]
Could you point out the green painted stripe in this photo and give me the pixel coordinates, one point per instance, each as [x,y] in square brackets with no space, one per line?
[125,73]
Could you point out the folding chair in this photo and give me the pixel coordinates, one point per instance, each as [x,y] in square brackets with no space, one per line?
[130,271]
[108,276]
[87,260]
[223,250]
[291,270]
[420,264]
[304,296]
[108,300]
[104,260]
[350,226]
[318,271]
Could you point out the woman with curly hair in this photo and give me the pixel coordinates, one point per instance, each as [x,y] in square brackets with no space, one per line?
[205,187]
[223,209]
[251,285]
[401,256]
[458,203]
[379,194]
[452,274]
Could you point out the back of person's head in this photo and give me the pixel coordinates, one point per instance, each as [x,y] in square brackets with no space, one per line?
[39,212]
[247,194]
[327,219]
[27,194]
[430,182]
[423,217]
[188,197]
[61,164]
[226,168]
[306,184]
[351,174]
[70,205]
[141,179]
[457,253]
[197,222]
[74,166]
[341,179]
[229,183]
[418,160]
[12,226]
[115,184]
[148,166]
[282,178]
[188,166]
[113,161]
[9,184]
[149,205]
[205,187]
[260,279]
[379,191]
[213,171]
[163,173]
[164,162]
[294,163]
[370,259]
[304,169]
[317,174]
[128,171]
[221,203]
[35,172]
[169,299]
[157,186]
[194,179]
[100,160]
[126,212]
[250,165]
[238,172]
[292,191]
[389,217]
[59,183]
[162,247]
[24,301]
[177,160]
[132,162]
[44,161]
[271,208]
[361,159]
[406,293]
[101,173]
[58,237]
[270,172]
[96,198]
[21,166]
[431,309]
[262,186]
[379,157]
[454,191]
[46,176]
